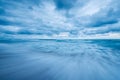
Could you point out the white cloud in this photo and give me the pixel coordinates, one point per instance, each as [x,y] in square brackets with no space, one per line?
[61,35]
[90,8]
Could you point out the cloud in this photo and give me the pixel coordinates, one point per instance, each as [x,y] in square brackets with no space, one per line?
[64,4]
[60,18]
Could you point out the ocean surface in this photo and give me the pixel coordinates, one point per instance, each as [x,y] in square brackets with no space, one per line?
[55,59]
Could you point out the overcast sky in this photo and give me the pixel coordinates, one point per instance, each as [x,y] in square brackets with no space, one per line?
[60,18]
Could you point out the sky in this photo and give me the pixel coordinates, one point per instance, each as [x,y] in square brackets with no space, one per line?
[51,19]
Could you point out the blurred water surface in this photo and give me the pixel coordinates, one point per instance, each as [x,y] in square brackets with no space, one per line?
[60,60]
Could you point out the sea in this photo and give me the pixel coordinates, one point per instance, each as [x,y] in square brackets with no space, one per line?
[60,59]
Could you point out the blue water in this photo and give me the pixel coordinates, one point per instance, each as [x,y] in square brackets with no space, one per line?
[60,59]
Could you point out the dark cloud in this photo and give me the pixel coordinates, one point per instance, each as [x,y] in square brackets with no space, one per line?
[5,22]
[64,4]
[103,23]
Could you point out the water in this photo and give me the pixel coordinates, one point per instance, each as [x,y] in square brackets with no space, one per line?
[60,60]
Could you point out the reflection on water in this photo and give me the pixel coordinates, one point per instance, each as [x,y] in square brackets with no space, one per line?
[60,60]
